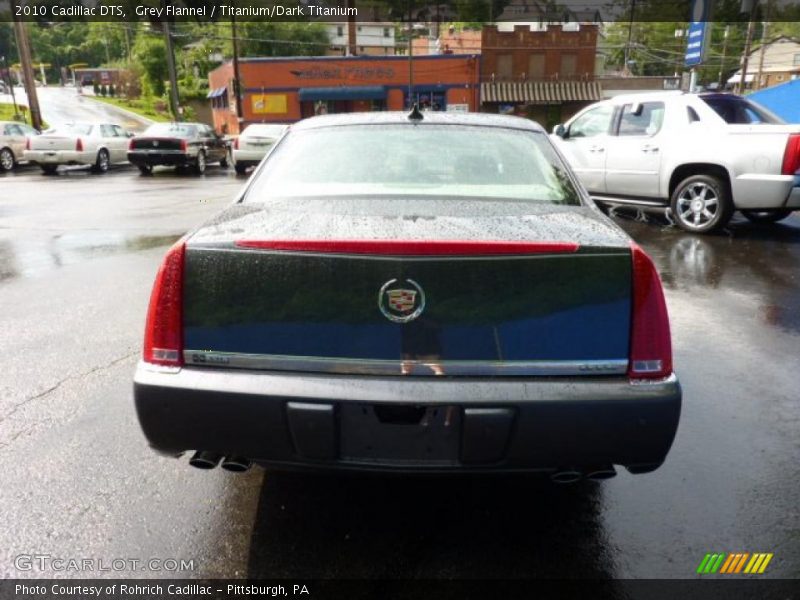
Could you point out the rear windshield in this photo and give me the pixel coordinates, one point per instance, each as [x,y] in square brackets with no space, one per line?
[171,130]
[264,130]
[72,129]
[415,160]
[736,110]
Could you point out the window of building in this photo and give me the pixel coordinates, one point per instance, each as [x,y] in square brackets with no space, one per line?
[569,65]
[386,32]
[505,68]
[646,120]
[340,31]
[536,66]
[796,61]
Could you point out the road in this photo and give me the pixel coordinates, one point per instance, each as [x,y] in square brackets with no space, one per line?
[64,104]
[78,253]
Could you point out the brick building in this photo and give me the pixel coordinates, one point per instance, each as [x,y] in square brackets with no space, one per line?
[285,90]
[545,74]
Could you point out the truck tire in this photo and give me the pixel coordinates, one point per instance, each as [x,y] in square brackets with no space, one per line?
[767,216]
[701,204]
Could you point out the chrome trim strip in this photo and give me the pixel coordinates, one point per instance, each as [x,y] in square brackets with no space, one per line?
[357,366]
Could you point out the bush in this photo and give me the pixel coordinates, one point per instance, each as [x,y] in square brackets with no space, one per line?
[111,91]
[103,90]
[96,88]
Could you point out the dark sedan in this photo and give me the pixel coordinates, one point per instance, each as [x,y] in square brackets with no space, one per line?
[180,145]
[423,292]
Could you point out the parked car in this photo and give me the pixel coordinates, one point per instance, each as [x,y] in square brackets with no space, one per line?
[13,139]
[254,143]
[178,145]
[360,306]
[97,144]
[703,156]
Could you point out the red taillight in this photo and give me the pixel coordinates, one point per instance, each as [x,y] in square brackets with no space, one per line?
[236,144]
[163,337]
[184,145]
[791,156]
[130,145]
[411,247]
[651,345]
[79,145]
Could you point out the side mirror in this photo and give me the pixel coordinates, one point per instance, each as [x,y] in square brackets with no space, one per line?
[560,131]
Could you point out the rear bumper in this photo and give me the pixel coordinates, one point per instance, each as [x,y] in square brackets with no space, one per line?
[465,424]
[173,158]
[765,192]
[248,157]
[59,157]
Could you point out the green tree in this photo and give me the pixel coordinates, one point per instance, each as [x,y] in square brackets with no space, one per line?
[265,38]
[150,52]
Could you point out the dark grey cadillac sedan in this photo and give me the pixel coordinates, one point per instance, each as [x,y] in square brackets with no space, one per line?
[411,292]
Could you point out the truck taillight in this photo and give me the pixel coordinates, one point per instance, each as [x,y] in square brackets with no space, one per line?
[79,145]
[651,345]
[791,156]
[163,337]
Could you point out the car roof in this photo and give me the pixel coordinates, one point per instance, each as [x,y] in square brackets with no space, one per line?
[428,117]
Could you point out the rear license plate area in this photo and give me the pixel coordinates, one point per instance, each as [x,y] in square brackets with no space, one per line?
[400,434]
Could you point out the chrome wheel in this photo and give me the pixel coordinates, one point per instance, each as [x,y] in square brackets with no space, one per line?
[6,160]
[698,205]
[102,161]
[200,165]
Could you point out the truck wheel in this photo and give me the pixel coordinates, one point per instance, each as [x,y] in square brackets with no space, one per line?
[146,169]
[6,159]
[701,203]
[200,163]
[240,169]
[766,216]
[224,162]
[49,169]
[102,162]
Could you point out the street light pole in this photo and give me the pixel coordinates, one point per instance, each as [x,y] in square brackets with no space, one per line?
[236,77]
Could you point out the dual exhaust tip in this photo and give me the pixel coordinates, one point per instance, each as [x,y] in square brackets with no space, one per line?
[206,460]
[571,475]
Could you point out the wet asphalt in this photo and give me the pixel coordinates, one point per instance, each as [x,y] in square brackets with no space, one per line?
[78,253]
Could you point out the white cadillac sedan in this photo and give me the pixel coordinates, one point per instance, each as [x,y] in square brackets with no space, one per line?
[13,138]
[254,143]
[96,144]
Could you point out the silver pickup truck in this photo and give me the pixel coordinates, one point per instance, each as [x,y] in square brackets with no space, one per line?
[699,156]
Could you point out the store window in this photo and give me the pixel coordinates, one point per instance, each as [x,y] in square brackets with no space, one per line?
[569,65]
[428,100]
[536,66]
[505,66]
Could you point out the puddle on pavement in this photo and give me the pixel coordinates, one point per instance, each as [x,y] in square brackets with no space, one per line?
[31,257]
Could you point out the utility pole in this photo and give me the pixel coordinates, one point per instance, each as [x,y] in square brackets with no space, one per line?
[11,85]
[748,42]
[625,67]
[725,35]
[764,25]
[352,44]
[410,55]
[173,74]
[23,46]
[236,77]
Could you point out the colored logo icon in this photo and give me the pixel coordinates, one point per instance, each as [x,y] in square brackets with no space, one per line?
[734,563]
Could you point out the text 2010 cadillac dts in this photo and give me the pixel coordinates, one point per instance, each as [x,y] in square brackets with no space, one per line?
[411,293]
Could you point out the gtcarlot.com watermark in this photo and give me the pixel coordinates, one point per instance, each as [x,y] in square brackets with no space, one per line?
[47,562]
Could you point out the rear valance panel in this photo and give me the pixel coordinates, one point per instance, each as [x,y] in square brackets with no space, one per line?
[561,307]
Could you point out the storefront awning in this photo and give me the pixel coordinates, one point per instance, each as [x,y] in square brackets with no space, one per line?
[541,92]
[365,92]
[216,93]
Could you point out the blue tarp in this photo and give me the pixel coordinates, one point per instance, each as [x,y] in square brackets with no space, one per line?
[783,100]
[365,92]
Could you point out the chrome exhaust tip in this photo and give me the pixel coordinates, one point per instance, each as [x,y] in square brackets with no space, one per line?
[600,473]
[566,476]
[204,459]
[236,464]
